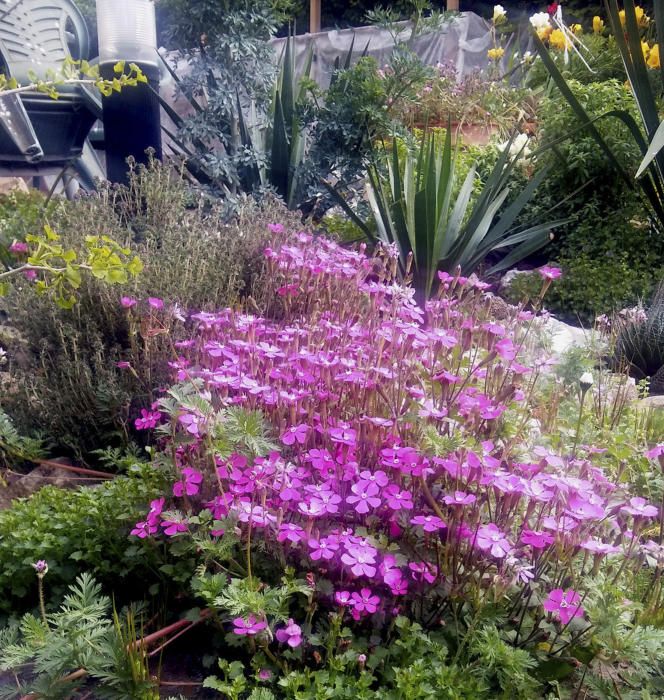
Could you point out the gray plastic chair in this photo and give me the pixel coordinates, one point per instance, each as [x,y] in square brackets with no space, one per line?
[37,36]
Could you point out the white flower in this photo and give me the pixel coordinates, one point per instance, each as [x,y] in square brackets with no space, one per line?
[499,14]
[586,381]
[540,20]
[518,147]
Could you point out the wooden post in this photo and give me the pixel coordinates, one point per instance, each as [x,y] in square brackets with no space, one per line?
[314,16]
[453,5]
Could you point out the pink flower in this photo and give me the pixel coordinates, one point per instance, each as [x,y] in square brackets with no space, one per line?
[18,247]
[491,539]
[460,498]
[189,484]
[423,571]
[397,499]
[656,451]
[123,365]
[343,436]
[640,508]
[248,627]
[156,302]
[564,604]
[342,598]
[429,523]
[538,540]
[550,273]
[296,433]
[324,548]
[364,496]
[276,228]
[361,559]
[365,601]
[173,527]
[148,419]
[291,532]
[144,529]
[30,275]
[291,634]
[127,302]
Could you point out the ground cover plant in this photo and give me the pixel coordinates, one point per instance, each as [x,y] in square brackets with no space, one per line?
[351,466]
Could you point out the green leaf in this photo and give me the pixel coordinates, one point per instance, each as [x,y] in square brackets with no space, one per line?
[655,147]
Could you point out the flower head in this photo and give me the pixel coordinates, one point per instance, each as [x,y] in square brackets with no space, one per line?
[291,634]
[41,567]
[598,25]
[248,627]
[499,14]
[564,604]
[550,273]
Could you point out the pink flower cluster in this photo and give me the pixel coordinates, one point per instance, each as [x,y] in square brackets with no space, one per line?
[351,373]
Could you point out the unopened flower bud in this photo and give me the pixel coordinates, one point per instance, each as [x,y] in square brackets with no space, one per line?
[585,381]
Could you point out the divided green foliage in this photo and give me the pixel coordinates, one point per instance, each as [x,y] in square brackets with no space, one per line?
[75,530]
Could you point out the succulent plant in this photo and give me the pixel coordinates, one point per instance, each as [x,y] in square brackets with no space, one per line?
[640,344]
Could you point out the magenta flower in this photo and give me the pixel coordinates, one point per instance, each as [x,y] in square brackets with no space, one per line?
[145,529]
[276,228]
[582,509]
[189,483]
[538,540]
[148,419]
[365,601]
[596,546]
[173,527]
[364,496]
[429,523]
[127,302]
[296,433]
[343,436]
[324,548]
[291,634]
[550,273]
[156,302]
[423,571]
[564,604]
[361,559]
[249,627]
[640,508]
[342,598]
[291,532]
[656,451]
[41,567]
[18,247]
[397,499]
[459,498]
[30,275]
[491,539]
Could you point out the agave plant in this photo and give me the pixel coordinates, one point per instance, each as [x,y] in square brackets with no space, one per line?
[419,208]
[649,135]
[640,344]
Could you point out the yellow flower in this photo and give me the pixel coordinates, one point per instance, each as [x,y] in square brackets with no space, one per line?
[496,54]
[558,40]
[645,49]
[544,33]
[577,29]
[642,18]
[598,25]
[653,57]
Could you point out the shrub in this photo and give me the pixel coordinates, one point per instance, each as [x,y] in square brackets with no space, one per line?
[407,482]
[79,530]
[73,389]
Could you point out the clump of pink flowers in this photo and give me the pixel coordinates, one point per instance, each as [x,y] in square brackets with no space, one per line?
[351,376]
